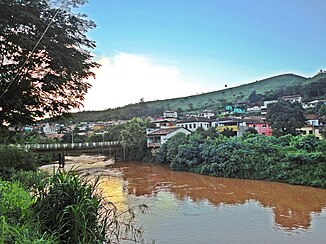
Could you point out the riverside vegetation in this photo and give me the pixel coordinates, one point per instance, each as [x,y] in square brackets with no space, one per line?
[62,208]
[290,159]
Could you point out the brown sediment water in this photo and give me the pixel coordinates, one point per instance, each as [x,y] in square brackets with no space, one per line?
[192,208]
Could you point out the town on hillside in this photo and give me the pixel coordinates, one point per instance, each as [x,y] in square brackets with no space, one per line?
[233,121]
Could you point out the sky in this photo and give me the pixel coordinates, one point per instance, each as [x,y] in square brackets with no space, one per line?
[159,49]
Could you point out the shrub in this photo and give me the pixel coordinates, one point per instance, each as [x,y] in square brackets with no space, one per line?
[17,222]
[72,210]
[13,158]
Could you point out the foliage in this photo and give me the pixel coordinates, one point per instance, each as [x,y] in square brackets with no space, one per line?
[33,181]
[188,154]
[15,202]
[252,130]
[13,159]
[168,151]
[133,138]
[285,117]
[42,74]
[17,222]
[308,143]
[253,97]
[72,210]
[228,132]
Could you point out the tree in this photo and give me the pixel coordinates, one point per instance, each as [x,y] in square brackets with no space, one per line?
[133,137]
[44,59]
[285,117]
[253,97]
[252,130]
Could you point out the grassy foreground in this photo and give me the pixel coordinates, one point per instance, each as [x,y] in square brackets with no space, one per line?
[62,208]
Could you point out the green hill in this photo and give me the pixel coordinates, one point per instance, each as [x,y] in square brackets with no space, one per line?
[192,104]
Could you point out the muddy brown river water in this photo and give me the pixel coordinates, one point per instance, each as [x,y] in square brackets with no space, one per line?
[193,208]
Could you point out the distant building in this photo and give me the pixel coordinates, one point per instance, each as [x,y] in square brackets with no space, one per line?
[292,99]
[166,122]
[310,130]
[49,129]
[193,123]
[170,114]
[206,114]
[260,125]
[229,123]
[158,137]
[254,109]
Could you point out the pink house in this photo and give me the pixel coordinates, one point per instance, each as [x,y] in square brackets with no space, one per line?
[260,125]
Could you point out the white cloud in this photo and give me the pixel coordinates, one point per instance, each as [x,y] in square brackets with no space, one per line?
[125,78]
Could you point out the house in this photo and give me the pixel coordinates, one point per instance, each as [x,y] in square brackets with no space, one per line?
[228,123]
[170,114]
[158,137]
[313,103]
[253,109]
[206,114]
[310,130]
[193,123]
[292,99]
[163,122]
[49,129]
[266,103]
[260,125]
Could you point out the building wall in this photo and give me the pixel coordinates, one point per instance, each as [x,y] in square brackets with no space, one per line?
[192,126]
[262,128]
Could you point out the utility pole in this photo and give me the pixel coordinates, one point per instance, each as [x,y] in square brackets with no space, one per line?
[72,137]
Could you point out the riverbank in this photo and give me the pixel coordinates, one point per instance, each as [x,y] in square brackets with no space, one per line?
[299,160]
[80,163]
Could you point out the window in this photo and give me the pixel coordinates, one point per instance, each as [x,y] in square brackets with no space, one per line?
[186,126]
[264,125]
[310,132]
[263,133]
[194,126]
[190,126]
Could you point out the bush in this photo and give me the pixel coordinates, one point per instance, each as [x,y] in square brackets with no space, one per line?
[72,210]
[13,159]
[17,223]
[15,202]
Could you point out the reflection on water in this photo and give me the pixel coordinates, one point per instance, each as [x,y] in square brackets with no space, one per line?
[292,207]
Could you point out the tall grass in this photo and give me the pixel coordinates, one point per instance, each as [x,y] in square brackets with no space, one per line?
[72,209]
[17,222]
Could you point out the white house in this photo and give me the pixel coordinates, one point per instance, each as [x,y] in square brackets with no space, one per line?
[269,102]
[292,99]
[158,137]
[49,129]
[254,109]
[313,121]
[170,114]
[206,114]
[193,123]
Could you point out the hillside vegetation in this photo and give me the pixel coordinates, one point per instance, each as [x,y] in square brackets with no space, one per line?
[216,100]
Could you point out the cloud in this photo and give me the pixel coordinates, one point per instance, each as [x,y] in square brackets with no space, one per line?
[126,78]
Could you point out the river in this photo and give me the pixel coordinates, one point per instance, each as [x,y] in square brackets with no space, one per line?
[192,208]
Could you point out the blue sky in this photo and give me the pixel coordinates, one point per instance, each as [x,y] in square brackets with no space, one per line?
[200,45]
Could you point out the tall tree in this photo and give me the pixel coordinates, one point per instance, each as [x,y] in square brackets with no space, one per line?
[44,59]
[285,117]
[133,138]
